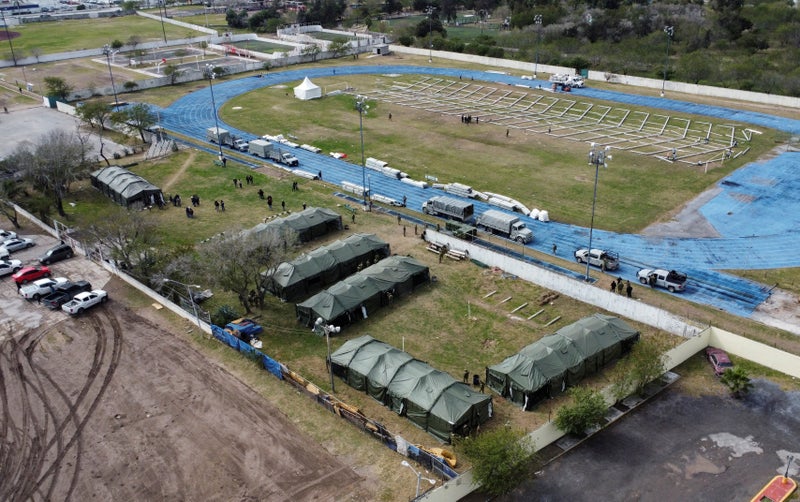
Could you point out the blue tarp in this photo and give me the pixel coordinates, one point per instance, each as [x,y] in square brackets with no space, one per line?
[269,364]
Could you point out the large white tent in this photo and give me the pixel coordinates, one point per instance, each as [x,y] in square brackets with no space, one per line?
[307,90]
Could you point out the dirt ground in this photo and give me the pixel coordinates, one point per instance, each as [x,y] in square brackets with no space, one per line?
[115,406]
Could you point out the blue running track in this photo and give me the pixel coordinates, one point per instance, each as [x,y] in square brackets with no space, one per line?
[756,213]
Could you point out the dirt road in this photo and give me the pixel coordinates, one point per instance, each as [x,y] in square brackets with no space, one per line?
[112,406]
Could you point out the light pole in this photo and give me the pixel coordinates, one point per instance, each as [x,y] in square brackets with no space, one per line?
[210,74]
[362,107]
[327,329]
[537,20]
[597,157]
[191,299]
[430,11]
[669,30]
[8,37]
[160,3]
[420,477]
[108,52]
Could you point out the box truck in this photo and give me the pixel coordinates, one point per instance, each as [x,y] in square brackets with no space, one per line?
[449,208]
[507,225]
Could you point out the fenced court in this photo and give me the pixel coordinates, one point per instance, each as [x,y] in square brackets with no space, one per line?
[563,115]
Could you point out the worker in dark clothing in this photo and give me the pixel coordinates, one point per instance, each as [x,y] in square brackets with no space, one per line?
[613,286]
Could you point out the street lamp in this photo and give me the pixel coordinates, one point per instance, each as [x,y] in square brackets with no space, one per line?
[420,477]
[597,157]
[537,20]
[430,11]
[191,299]
[108,52]
[210,75]
[669,30]
[362,107]
[326,330]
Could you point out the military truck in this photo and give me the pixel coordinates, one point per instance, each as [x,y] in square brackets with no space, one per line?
[449,208]
[507,225]
[266,150]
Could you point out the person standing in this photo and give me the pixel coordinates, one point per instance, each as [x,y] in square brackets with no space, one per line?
[613,286]
[283,205]
[628,288]
[466,376]
[269,201]
[620,286]
[222,205]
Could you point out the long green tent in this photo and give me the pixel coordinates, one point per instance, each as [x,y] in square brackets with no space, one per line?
[432,399]
[548,366]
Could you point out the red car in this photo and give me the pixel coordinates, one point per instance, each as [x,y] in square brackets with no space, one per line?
[719,360]
[28,274]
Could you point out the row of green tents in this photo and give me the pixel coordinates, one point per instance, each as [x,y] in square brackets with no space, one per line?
[323,266]
[354,297]
[547,367]
[307,225]
[433,400]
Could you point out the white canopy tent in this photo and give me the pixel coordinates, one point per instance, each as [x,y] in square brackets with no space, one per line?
[307,90]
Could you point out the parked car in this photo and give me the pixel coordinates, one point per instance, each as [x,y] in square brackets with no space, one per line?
[41,287]
[5,235]
[30,274]
[9,267]
[85,300]
[64,293]
[56,253]
[672,280]
[4,254]
[719,360]
[18,243]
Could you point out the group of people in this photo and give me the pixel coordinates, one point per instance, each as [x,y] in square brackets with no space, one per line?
[219,205]
[617,286]
[476,380]
[467,119]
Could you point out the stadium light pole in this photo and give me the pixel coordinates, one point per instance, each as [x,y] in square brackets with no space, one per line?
[669,30]
[362,107]
[420,477]
[108,53]
[210,74]
[326,329]
[161,3]
[537,20]
[430,11]
[597,157]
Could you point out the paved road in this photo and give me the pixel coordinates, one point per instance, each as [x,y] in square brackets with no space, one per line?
[756,213]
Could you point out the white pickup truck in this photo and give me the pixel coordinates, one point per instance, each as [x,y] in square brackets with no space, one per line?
[606,260]
[83,301]
[671,280]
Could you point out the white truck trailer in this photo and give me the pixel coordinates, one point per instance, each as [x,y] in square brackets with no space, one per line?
[266,150]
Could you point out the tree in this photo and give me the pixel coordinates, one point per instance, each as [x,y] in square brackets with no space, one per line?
[587,410]
[130,86]
[58,87]
[172,71]
[134,40]
[501,458]
[9,190]
[36,52]
[645,363]
[311,51]
[339,46]
[204,46]
[737,381]
[96,112]
[140,116]
[57,159]
[236,20]
[117,44]
[235,263]
[130,237]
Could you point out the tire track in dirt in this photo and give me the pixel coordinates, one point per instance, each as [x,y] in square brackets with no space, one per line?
[47,427]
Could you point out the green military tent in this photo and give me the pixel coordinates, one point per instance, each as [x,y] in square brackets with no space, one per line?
[308,224]
[548,366]
[431,399]
[352,298]
[126,188]
[310,272]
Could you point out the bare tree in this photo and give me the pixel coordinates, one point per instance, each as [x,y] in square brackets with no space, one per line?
[9,189]
[235,263]
[51,164]
[96,112]
[130,237]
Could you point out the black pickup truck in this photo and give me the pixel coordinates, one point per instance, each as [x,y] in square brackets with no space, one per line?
[64,293]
